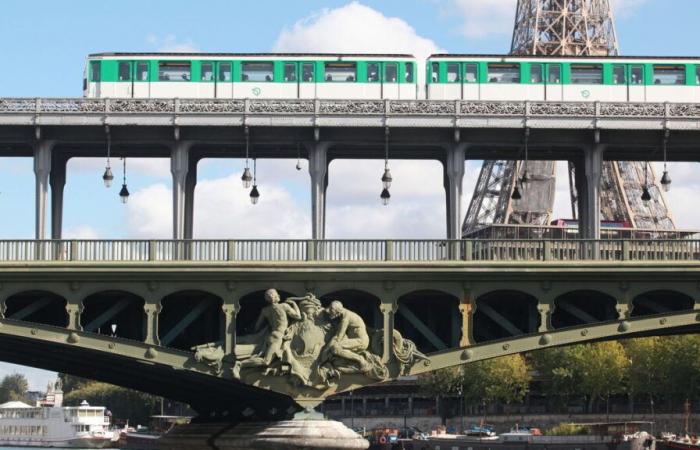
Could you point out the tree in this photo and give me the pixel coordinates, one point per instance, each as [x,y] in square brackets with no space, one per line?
[603,368]
[13,388]
[124,403]
[556,368]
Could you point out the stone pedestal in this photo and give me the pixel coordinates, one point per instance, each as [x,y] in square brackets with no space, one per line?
[299,434]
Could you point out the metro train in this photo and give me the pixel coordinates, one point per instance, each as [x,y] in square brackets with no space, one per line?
[364,76]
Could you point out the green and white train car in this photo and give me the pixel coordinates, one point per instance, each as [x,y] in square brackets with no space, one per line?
[613,79]
[228,75]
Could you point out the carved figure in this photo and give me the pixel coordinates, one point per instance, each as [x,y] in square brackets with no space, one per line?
[349,337]
[210,354]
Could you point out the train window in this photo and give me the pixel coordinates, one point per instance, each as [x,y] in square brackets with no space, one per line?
[257,71]
[435,69]
[554,74]
[373,72]
[637,75]
[536,73]
[669,75]
[95,70]
[174,71]
[208,71]
[290,72]
[224,71]
[142,71]
[340,71]
[697,74]
[124,71]
[307,72]
[504,73]
[408,74]
[586,74]
[619,75]
[470,72]
[390,73]
[453,73]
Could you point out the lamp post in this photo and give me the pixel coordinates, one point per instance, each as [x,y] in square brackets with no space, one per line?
[124,192]
[246,178]
[108,176]
[386,176]
[665,178]
[254,194]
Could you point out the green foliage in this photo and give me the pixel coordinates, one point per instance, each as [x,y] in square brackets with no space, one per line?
[124,403]
[71,382]
[566,429]
[13,388]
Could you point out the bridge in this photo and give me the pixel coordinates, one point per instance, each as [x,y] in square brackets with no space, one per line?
[176,317]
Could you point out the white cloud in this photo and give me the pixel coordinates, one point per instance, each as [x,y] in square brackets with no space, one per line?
[482,18]
[81,232]
[624,8]
[170,43]
[152,167]
[37,379]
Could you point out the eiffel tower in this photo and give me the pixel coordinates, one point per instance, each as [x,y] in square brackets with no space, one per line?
[569,28]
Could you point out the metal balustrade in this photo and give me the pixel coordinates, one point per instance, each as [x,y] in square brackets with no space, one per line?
[372,250]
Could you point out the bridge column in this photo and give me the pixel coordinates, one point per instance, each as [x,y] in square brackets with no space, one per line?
[318,169]
[190,184]
[57,180]
[74,308]
[42,170]
[467,307]
[179,166]
[152,308]
[588,187]
[231,306]
[388,308]
[545,309]
[623,307]
[453,176]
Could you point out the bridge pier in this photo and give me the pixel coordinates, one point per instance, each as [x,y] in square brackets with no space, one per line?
[179,167]
[588,177]
[190,184]
[318,169]
[57,180]
[453,176]
[42,170]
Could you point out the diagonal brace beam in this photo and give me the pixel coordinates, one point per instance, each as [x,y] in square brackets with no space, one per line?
[577,312]
[30,309]
[110,312]
[500,320]
[186,321]
[652,305]
[422,328]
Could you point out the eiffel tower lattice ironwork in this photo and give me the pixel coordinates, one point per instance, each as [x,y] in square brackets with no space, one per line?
[567,28]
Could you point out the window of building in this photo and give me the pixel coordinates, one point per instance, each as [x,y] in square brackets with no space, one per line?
[224,71]
[586,74]
[669,75]
[95,67]
[208,71]
[408,75]
[124,71]
[290,72]
[453,73]
[336,71]
[504,73]
[470,73]
[142,71]
[636,75]
[435,72]
[307,72]
[257,71]
[174,71]
[554,74]
[391,73]
[536,73]
[372,72]
[619,75]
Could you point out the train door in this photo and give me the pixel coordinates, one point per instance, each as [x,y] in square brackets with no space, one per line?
[94,79]
[554,88]
[307,79]
[206,84]
[408,89]
[636,89]
[290,78]
[141,81]
[536,85]
[390,80]
[373,88]
[123,87]
[470,87]
[223,84]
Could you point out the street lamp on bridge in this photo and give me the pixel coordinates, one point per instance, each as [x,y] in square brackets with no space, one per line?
[124,193]
[386,177]
[246,178]
[107,177]
[254,194]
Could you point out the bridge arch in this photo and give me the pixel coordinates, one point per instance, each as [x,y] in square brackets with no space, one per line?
[189,318]
[430,318]
[660,302]
[364,303]
[505,313]
[123,309]
[39,306]
[580,307]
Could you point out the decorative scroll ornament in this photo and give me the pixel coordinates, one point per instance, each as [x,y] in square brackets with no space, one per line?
[282,106]
[211,106]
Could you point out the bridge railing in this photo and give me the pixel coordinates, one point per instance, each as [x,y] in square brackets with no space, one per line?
[491,250]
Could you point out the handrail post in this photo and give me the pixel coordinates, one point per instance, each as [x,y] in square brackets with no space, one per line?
[547,249]
[468,250]
[310,250]
[152,250]
[73,250]
[231,250]
[626,250]
[388,250]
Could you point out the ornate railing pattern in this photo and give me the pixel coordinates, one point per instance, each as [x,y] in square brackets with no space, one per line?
[458,108]
[398,250]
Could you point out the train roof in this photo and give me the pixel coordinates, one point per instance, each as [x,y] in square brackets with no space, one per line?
[286,55]
[610,57]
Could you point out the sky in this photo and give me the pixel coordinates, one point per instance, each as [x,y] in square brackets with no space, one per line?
[44,44]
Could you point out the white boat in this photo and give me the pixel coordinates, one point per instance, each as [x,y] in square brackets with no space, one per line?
[49,424]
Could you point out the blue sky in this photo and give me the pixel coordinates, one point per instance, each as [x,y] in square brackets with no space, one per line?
[44,43]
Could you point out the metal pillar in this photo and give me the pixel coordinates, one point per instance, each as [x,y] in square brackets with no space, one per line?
[388,309]
[57,180]
[179,166]
[190,184]
[453,177]
[152,308]
[318,169]
[589,209]
[231,306]
[74,308]
[42,170]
